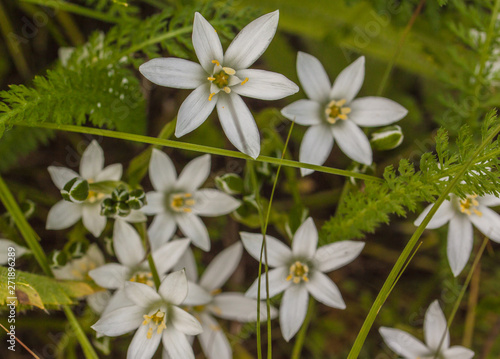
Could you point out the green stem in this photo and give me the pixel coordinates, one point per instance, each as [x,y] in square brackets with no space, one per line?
[87,348]
[143,232]
[301,336]
[396,270]
[154,271]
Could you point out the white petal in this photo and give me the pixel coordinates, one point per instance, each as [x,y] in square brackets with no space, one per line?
[194,174]
[5,244]
[278,254]
[155,203]
[98,301]
[188,263]
[305,240]
[403,343]
[325,290]
[293,310]
[63,215]
[194,229]
[304,112]
[141,295]
[335,255]
[238,124]
[173,288]
[235,306]
[173,72]
[185,322]
[127,244]
[435,328]
[488,223]
[460,241]
[206,43]
[353,141]
[442,216]
[120,321]
[92,219]
[457,352]
[135,216]
[197,295]
[142,347]
[167,256]
[213,203]
[313,78]
[61,175]
[349,81]
[161,230]
[213,340]
[92,161]
[222,267]
[118,300]
[315,147]
[264,85]
[110,173]
[161,171]
[111,275]
[277,283]
[195,110]
[376,111]
[176,344]
[251,42]
[488,200]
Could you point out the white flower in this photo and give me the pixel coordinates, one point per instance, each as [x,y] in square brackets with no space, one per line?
[205,300]
[156,316]
[333,113]
[64,214]
[300,271]
[5,244]
[179,202]
[435,327]
[462,214]
[221,78]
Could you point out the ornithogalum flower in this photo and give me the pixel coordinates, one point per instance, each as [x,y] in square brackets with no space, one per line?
[437,339]
[156,316]
[206,300]
[300,271]
[462,214]
[179,201]
[219,80]
[333,113]
[64,214]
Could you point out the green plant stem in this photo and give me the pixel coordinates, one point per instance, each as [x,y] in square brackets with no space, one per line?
[407,251]
[87,348]
[198,148]
[301,336]
[143,232]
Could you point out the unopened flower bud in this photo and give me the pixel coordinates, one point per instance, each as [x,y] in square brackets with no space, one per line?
[108,208]
[58,259]
[120,195]
[230,183]
[387,138]
[76,190]
[123,209]
[137,199]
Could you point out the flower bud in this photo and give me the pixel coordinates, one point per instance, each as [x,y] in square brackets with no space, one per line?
[76,190]
[137,199]
[230,183]
[108,208]
[58,259]
[387,138]
[78,249]
[123,209]
[120,195]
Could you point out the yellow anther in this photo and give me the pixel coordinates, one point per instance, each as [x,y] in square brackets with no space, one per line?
[229,70]
[210,78]
[244,81]
[157,321]
[182,202]
[298,272]
[211,95]
[216,62]
[227,89]
[150,333]
[469,205]
[335,111]
[143,277]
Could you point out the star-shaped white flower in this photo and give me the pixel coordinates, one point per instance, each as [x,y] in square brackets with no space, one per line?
[64,214]
[179,201]
[220,79]
[206,300]
[5,244]
[156,316]
[462,214]
[333,113]
[300,271]
[435,327]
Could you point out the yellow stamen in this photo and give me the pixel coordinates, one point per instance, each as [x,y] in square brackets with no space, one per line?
[469,205]
[182,202]
[211,95]
[157,320]
[227,89]
[229,70]
[298,272]
[244,81]
[210,78]
[335,111]
[216,62]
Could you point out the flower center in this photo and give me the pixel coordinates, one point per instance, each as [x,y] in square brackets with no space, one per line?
[298,272]
[144,278]
[155,321]
[222,79]
[336,110]
[469,205]
[182,202]
[94,196]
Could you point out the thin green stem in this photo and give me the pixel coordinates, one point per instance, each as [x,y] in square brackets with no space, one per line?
[301,336]
[141,228]
[154,271]
[87,348]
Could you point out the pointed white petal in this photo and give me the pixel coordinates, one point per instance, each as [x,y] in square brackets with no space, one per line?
[194,174]
[161,171]
[120,321]
[435,328]
[264,85]
[251,42]
[110,173]
[155,203]
[213,203]
[313,78]
[238,124]
[222,267]
[353,141]
[188,263]
[325,290]
[457,352]
[376,111]
[442,216]
[92,219]
[194,229]
[349,81]
[235,306]
[135,216]
[141,295]
[173,288]
[118,300]
[161,230]
[277,283]
[5,244]
[63,215]
[167,256]
[316,146]
[403,343]
[176,345]
[335,255]
[488,200]
[185,322]
[305,240]
[111,275]
[213,340]
[460,241]
[304,112]
[195,110]
[197,295]
[173,72]
[61,175]
[142,347]
[488,224]
[98,301]
[293,310]
[127,244]
[206,43]
[278,253]
[92,161]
